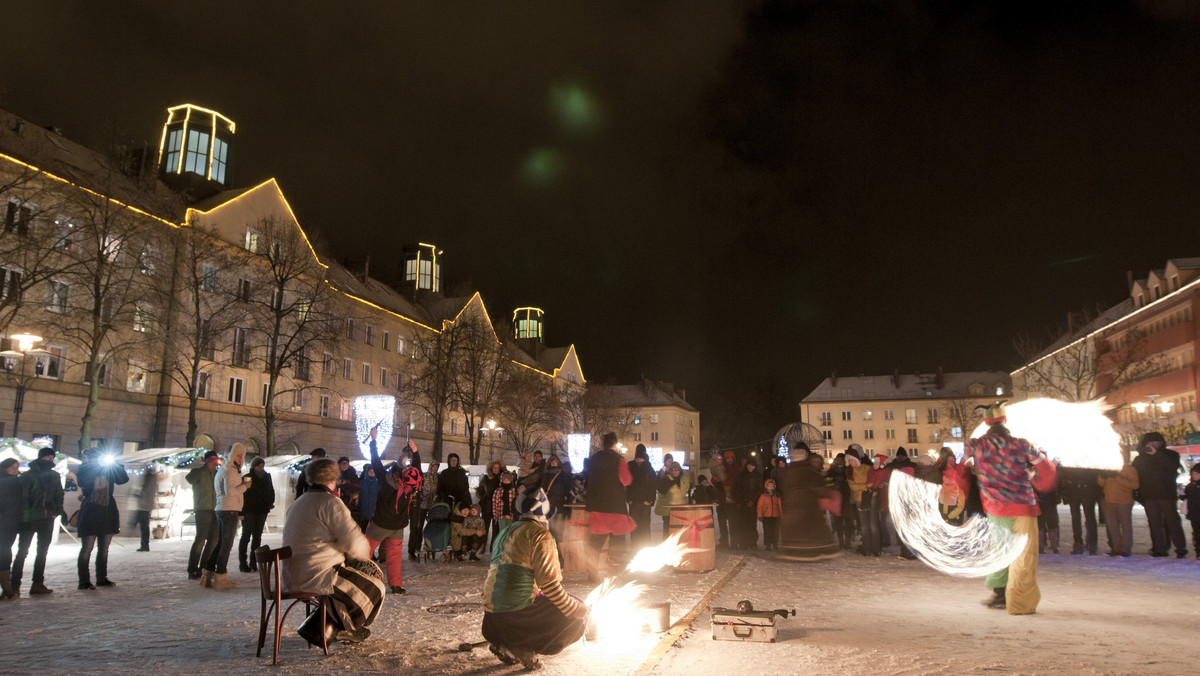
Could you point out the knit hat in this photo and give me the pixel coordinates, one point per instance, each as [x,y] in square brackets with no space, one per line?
[769,484]
[533,506]
[994,414]
[640,452]
[879,457]
[901,453]
[47,452]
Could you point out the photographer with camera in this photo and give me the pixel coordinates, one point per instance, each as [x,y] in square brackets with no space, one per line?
[99,519]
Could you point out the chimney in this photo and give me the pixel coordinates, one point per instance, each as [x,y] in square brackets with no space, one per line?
[896,379]
[1129,279]
[833,378]
[940,378]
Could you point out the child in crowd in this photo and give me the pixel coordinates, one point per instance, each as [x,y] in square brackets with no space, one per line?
[502,502]
[578,494]
[770,508]
[473,533]
[1191,506]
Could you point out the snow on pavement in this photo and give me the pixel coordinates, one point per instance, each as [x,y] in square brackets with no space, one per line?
[855,615]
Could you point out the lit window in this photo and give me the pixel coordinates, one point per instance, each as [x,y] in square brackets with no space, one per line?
[111,247]
[64,234]
[220,159]
[174,145]
[56,296]
[252,238]
[143,318]
[148,262]
[136,380]
[196,158]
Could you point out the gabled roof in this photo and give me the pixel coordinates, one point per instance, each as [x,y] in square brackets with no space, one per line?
[911,386]
[1105,318]
[47,150]
[646,395]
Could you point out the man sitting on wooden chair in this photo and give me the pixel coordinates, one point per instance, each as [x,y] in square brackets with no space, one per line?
[330,556]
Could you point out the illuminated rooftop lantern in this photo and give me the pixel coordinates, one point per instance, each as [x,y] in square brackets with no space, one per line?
[527,323]
[371,410]
[195,142]
[421,267]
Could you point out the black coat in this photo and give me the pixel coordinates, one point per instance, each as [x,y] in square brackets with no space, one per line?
[642,488]
[454,486]
[605,492]
[1157,473]
[260,497]
[96,518]
[556,481]
[391,506]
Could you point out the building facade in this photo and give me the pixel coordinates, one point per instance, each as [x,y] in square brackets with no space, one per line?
[660,418]
[173,305]
[919,412]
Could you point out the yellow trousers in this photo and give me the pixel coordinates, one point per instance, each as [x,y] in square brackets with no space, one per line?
[1020,578]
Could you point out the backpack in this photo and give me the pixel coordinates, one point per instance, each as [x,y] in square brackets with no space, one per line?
[43,496]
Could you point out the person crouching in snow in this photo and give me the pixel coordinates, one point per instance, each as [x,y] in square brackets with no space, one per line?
[526,610]
[1008,468]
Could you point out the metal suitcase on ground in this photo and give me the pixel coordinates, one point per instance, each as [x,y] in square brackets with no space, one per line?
[745,624]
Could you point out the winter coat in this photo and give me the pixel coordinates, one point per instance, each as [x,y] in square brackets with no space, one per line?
[12,502]
[98,515]
[642,488]
[43,491]
[260,496]
[703,495]
[147,494]
[671,491]
[429,490]
[607,476]
[770,506]
[393,502]
[204,492]
[454,486]
[230,487]
[1119,487]
[368,494]
[746,489]
[1191,500]
[1078,485]
[1157,473]
[321,532]
[487,485]
[556,481]
[502,502]
[531,473]
[858,478]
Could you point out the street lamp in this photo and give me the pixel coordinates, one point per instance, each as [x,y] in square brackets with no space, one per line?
[491,426]
[1154,405]
[25,347]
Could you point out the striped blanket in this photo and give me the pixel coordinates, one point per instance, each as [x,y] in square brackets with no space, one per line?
[357,593]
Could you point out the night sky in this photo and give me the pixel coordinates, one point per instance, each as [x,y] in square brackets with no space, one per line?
[737,197]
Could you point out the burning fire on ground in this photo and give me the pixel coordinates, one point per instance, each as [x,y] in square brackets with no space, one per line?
[616,607]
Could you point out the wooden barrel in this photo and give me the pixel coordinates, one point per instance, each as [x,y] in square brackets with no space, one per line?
[575,539]
[700,523]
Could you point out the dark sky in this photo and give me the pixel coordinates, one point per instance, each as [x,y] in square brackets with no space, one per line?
[738,197]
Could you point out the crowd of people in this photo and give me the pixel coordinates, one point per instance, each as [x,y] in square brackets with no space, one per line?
[347,530]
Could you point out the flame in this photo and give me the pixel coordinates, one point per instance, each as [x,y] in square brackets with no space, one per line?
[1074,434]
[616,608]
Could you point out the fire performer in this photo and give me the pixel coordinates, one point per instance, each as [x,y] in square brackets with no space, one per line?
[607,478]
[526,610]
[1007,468]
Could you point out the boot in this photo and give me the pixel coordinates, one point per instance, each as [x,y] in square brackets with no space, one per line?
[206,578]
[6,590]
[310,629]
[1053,540]
[222,581]
[998,599]
[38,588]
[243,566]
[1041,541]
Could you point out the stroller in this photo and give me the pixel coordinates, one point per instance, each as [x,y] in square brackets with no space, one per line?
[436,534]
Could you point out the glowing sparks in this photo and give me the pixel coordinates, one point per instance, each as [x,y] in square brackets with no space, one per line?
[371,410]
[974,549]
[1074,434]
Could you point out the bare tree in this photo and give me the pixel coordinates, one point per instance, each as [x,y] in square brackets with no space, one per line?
[292,315]
[594,411]
[1076,359]
[479,370]
[432,385]
[100,303]
[33,240]
[526,407]
[210,300]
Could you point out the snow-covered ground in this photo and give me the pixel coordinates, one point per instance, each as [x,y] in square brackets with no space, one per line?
[854,615]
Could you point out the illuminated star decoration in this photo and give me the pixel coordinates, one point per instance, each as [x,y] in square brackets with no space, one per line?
[974,549]
[371,410]
[1073,434]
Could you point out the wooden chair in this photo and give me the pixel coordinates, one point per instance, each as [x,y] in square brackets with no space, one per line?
[273,596]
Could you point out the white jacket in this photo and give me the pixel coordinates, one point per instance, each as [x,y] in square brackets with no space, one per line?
[320,531]
[230,488]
